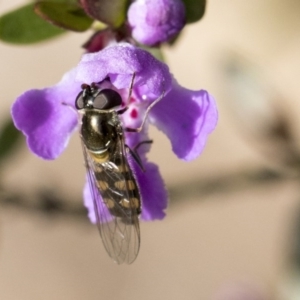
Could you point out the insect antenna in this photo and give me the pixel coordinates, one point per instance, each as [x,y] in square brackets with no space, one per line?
[121,111]
[131,87]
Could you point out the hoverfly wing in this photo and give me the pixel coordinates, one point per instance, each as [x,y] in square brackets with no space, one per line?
[116,204]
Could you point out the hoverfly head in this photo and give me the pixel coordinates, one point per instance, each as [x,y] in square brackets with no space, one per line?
[92,96]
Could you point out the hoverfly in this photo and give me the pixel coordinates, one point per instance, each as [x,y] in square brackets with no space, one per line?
[116,196]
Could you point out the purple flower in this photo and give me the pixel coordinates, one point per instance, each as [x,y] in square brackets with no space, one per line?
[156,21]
[186,117]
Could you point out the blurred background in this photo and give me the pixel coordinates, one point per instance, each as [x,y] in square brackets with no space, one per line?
[232,230]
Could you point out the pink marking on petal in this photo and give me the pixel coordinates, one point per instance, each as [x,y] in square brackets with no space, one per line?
[134,113]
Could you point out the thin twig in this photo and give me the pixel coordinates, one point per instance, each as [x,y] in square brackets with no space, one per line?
[47,203]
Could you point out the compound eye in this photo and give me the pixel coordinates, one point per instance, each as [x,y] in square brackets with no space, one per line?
[100,101]
[107,99]
[79,102]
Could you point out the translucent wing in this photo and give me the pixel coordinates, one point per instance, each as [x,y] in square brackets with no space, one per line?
[116,203]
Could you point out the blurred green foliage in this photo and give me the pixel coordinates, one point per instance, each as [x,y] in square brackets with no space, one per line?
[23,26]
[9,139]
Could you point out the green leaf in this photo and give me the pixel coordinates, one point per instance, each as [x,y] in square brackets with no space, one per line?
[23,26]
[67,15]
[9,139]
[195,10]
[110,12]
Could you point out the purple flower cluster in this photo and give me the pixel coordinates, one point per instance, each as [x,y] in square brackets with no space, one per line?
[186,117]
[148,22]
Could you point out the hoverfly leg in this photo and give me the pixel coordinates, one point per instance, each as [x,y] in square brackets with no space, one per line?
[142,143]
[122,110]
[135,154]
[127,129]
[136,157]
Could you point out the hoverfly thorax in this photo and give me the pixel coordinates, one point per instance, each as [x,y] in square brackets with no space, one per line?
[100,124]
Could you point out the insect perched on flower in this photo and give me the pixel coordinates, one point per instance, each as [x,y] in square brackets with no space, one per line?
[153,97]
[115,193]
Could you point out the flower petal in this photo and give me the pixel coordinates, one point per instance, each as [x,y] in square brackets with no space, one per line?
[187,118]
[155,21]
[153,192]
[89,203]
[120,62]
[44,120]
